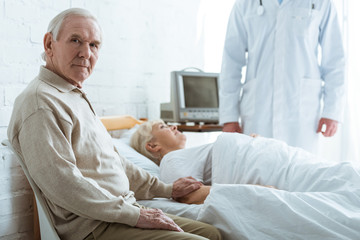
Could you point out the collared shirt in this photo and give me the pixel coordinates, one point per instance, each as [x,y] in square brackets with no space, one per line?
[71,158]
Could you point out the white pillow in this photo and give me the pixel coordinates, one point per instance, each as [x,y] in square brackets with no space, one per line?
[122,145]
[127,134]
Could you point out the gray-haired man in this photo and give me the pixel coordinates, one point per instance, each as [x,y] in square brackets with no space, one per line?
[90,189]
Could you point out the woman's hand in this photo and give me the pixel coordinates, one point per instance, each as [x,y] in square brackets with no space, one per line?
[196,197]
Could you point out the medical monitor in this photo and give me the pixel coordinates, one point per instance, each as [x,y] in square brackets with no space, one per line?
[194,98]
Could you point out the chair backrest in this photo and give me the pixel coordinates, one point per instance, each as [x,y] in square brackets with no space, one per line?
[47,229]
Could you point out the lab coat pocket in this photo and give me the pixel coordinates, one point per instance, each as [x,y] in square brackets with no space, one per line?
[300,21]
[311,94]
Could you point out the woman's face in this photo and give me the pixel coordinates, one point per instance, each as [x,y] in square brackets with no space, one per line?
[168,136]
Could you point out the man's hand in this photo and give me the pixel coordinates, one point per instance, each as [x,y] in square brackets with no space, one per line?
[184,186]
[331,127]
[232,127]
[156,219]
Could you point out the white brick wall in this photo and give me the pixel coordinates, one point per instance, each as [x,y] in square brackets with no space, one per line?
[143,42]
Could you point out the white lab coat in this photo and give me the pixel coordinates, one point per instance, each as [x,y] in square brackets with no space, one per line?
[286,90]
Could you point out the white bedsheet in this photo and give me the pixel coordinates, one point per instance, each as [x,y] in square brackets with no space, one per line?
[317,200]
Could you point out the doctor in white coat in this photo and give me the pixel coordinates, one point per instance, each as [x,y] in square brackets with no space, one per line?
[289,91]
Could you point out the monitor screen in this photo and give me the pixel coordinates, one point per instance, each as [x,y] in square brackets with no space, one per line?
[200,91]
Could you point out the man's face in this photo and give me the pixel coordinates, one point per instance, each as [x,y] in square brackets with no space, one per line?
[74,54]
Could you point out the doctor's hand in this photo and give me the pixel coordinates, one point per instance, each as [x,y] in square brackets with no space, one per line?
[254,135]
[184,186]
[330,127]
[232,127]
[156,219]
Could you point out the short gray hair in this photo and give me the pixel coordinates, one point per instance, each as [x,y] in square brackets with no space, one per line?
[56,23]
[142,136]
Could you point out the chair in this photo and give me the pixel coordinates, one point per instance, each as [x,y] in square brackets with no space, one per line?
[47,230]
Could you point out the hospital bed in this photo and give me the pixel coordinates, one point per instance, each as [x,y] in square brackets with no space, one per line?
[305,208]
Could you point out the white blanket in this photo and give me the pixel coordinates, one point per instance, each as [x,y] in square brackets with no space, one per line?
[316,200]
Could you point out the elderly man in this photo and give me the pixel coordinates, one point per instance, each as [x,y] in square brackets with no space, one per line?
[90,189]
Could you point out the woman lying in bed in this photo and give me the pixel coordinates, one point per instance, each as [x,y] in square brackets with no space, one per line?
[240,155]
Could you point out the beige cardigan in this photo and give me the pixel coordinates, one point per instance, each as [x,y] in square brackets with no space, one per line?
[72,159]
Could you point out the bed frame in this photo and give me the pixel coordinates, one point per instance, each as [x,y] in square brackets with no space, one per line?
[111,123]
[120,122]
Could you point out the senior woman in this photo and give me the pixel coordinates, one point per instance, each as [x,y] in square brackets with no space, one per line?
[241,159]
[321,198]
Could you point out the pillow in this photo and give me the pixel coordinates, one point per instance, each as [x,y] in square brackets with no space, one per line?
[126,136]
[123,147]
